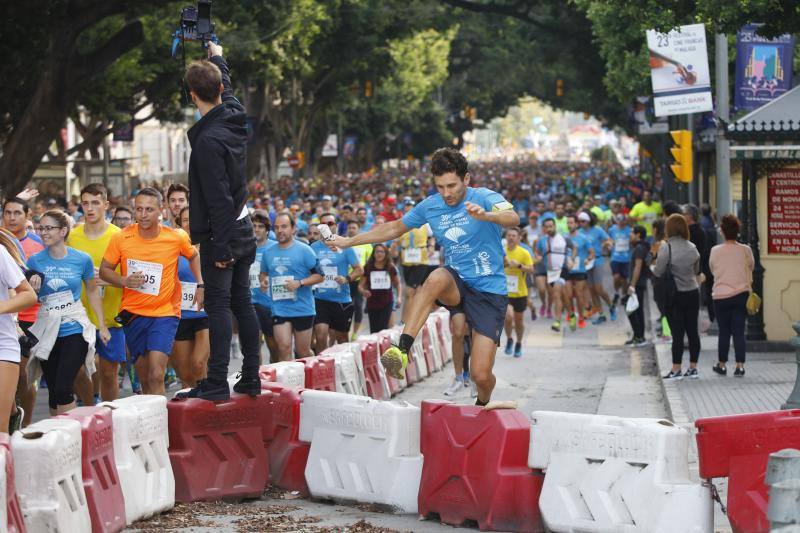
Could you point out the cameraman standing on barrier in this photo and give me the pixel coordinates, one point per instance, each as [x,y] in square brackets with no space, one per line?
[220,224]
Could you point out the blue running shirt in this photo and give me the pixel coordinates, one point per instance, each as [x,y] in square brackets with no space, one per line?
[296,262]
[583,247]
[622,243]
[63,281]
[332,264]
[472,247]
[188,286]
[264,299]
[596,236]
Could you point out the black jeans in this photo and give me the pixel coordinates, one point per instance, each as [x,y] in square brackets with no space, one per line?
[731,317]
[379,318]
[637,317]
[228,289]
[682,316]
[62,366]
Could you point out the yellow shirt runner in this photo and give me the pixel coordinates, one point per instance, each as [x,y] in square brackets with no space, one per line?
[515,277]
[96,248]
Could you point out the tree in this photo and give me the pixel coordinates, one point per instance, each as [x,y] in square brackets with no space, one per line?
[51,63]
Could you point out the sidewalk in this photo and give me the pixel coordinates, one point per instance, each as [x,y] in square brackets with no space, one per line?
[767,384]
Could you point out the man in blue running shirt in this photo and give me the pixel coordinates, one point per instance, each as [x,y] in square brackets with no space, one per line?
[468,223]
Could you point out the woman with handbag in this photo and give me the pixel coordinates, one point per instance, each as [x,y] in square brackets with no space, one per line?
[678,267]
[732,266]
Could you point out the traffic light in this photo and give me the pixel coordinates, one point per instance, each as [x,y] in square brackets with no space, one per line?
[559,87]
[682,152]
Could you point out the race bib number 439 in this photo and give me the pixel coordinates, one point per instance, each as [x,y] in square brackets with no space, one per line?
[152,273]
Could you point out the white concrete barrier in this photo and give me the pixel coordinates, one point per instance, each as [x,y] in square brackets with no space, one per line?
[141,440]
[418,353]
[362,449]
[433,335]
[613,474]
[374,338]
[291,373]
[394,337]
[444,315]
[47,474]
[350,377]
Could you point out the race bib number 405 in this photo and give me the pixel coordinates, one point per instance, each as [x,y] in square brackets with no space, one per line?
[152,273]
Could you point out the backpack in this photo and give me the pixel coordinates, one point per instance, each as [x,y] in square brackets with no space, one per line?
[664,287]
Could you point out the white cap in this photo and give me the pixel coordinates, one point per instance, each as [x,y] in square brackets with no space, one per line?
[584,217]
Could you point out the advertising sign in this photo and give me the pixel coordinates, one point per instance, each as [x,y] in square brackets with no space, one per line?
[783,212]
[763,67]
[331,147]
[679,70]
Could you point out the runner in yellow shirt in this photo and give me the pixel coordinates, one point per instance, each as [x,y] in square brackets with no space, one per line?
[518,264]
[646,212]
[93,237]
[147,253]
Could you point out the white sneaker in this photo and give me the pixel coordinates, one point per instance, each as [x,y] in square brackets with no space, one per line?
[473,390]
[454,387]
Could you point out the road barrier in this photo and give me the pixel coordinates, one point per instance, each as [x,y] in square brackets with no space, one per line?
[349,378]
[361,449]
[609,474]
[291,373]
[738,447]
[141,440]
[430,344]
[287,455]
[476,467]
[387,338]
[320,373]
[10,511]
[374,376]
[783,479]
[47,474]
[99,470]
[216,448]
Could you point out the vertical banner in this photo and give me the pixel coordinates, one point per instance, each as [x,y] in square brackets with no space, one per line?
[763,67]
[331,147]
[679,70]
[783,212]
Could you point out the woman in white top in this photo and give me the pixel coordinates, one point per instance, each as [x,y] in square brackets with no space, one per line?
[15,294]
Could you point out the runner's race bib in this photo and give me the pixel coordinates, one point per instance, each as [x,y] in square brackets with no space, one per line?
[58,302]
[279,290]
[152,275]
[255,270]
[512,283]
[412,255]
[589,265]
[379,279]
[622,245]
[330,273]
[553,276]
[188,290]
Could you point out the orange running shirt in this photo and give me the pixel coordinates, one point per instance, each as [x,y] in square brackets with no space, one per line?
[157,259]
[31,245]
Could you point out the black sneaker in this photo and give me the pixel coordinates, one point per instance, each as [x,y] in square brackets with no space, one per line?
[15,420]
[207,390]
[721,370]
[249,386]
[739,372]
[631,341]
[674,375]
[692,373]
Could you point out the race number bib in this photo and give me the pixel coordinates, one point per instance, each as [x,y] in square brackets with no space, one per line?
[279,289]
[433,258]
[330,273]
[622,245]
[187,296]
[589,265]
[553,276]
[512,283]
[58,301]
[412,255]
[152,275]
[379,279]
[255,270]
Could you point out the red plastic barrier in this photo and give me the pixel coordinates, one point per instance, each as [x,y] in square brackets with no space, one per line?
[394,385]
[217,449]
[738,447]
[476,467]
[287,455]
[372,370]
[443,348]
[320,372]
[266,373]
[426,348]
[16,524]
[100,479]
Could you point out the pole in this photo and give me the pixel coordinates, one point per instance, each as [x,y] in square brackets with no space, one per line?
[755,323]
[339,146]
[105,161]
[692,187]
[723,173]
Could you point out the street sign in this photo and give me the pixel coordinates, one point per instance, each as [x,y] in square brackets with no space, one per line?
[331,147]
[679,70]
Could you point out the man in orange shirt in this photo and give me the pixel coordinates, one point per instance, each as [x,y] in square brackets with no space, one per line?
[147,253]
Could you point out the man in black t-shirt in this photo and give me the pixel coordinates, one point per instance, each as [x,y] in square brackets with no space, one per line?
[638,283]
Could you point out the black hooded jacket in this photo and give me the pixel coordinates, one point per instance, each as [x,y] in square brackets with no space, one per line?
[217,176]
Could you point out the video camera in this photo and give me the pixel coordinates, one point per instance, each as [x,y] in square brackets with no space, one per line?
[195,25]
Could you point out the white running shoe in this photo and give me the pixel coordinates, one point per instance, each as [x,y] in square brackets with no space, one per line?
[473,390]
[454,387]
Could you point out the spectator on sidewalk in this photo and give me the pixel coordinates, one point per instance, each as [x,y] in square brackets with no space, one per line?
[709,225]
[732,265]
[638,282]
[683,261]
